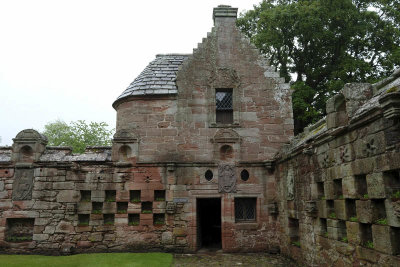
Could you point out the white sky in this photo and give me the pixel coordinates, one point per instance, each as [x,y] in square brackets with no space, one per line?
[70,60]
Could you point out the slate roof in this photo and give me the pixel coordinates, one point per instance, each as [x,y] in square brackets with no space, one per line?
[157,78]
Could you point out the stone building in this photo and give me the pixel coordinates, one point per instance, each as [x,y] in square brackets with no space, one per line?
[204,156]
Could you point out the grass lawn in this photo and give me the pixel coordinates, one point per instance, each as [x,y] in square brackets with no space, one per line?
[86,260]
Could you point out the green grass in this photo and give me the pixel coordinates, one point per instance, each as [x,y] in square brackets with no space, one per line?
[147,211]
[296,243]
[353,219]
[332,215]
[382,221]
[88,260]
[369,244]
[396,194]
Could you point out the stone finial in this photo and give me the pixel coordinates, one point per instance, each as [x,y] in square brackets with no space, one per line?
[224,11]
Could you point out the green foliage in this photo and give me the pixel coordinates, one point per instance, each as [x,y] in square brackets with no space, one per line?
[135,200]
[96,211]
[160,199]
[354,219]
[396,194]
[382,221]
[332,215]
[90,260]
[296,243]
[345,239]
[19,238]
[341,197]
[365,196]
[133,223]
[391,90]
[78,134]
[323,198]
[146,211]
[369,244]
[326,234]
[109,223]
[121,211]
[111,199]
[325,44]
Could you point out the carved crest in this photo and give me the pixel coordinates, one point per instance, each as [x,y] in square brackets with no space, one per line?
[226,136]
[224,78]
[23,184]
[226,178]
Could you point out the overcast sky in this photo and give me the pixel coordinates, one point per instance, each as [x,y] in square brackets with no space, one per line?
[70,60]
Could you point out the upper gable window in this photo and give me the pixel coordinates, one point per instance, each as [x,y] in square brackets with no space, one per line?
[224,106]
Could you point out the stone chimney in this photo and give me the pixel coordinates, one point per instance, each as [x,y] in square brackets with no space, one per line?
[224,13]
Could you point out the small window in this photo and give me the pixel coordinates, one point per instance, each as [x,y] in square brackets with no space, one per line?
[19,229]
[224,106]
[208,175]
[245,209]
[244,175]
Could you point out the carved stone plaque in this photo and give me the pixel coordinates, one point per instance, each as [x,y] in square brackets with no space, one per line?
[23,184]
[226,178]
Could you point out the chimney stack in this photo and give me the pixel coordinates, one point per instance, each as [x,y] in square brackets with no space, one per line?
[224,12]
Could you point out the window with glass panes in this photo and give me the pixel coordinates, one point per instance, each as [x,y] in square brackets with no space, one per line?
[245,209]
[224,106]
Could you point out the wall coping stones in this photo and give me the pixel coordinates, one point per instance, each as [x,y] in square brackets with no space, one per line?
[383,103]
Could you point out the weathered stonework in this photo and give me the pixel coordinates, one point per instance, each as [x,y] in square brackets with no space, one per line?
[178,179]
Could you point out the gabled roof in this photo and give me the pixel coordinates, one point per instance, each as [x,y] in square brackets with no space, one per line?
[158,78]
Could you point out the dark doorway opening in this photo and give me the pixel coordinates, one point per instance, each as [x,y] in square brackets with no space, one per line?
[209,223]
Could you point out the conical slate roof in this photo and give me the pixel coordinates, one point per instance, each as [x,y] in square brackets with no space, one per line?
[157,78]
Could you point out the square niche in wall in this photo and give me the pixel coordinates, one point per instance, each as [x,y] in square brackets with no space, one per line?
[134,196]
[19,229]
[122,207]
[133,219]
[110,195]
[147,207]
[159,195]
[83,219]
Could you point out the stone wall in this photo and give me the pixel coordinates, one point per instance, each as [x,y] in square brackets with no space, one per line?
[330,197]
[339,182]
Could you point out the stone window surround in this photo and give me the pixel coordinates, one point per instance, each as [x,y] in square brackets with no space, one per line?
[235,107]
[256,215]
[224,78]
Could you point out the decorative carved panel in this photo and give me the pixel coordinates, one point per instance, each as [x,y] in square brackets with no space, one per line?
[226,178]
[23,184]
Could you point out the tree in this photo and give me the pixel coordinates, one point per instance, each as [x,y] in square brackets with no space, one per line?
[78,134]
[322,44]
